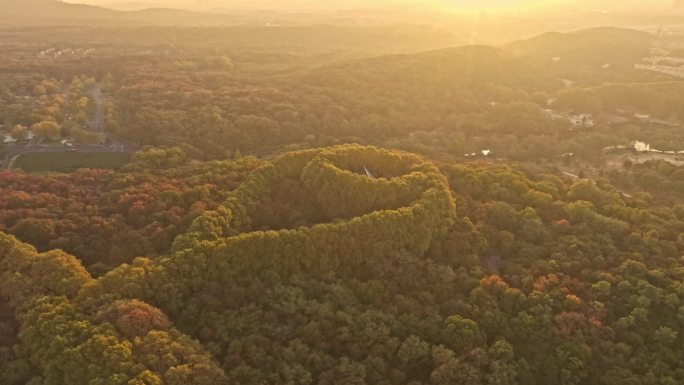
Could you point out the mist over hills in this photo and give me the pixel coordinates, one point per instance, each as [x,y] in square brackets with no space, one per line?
[597,45]
[43,8]
[470,28]
[54,12]
[335,4]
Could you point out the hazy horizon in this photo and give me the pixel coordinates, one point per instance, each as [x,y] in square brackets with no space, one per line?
[442,5]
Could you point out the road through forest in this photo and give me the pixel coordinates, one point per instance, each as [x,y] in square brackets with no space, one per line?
[12,151]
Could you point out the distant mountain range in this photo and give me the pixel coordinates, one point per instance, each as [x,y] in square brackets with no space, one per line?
[54,12]
[595,45]
[208,5]
[473,28]
[54,8]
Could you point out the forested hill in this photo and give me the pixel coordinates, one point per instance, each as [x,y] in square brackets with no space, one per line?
[530,65]
[420,102]
[41,9]
[312,272]
[218,92]
[591,46]
[461,67]
[59,13]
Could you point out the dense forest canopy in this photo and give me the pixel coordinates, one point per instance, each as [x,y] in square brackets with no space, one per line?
[534,279]
[217,96]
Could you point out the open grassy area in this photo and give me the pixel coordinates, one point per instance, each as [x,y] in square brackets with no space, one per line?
[70,161]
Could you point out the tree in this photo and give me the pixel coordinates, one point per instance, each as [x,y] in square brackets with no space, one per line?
[34,231]
[19,133]
[82,136]
[464,334]
[39,90]
[135,318]
[47,130]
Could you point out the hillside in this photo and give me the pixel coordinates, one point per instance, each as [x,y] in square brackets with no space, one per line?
[311,272]
[55,9]
[466,66]
[659,99]
[592,46]
[439,100]
[58,13]
[524,65]
[256,90]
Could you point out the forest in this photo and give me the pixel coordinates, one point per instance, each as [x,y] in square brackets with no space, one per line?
[337,202]
[221,99]
[302,269]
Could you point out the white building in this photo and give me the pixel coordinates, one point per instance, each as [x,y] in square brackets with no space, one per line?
[641,146]
[7,137]
[586,120]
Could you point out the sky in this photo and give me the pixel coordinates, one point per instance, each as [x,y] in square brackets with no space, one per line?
[496,4]
[456,5]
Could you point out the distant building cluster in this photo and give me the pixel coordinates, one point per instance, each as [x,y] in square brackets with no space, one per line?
[7,137]
[586,120]
[483,153]
[580,119]
[668,70]
[661,59]
[54,52]
[641,146]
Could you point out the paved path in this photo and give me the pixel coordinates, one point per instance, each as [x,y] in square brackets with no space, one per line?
[97,122]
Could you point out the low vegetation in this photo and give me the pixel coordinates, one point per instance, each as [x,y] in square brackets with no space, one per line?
[70,161]
[296,277]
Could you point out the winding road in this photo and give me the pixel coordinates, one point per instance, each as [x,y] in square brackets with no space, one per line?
[97,122]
